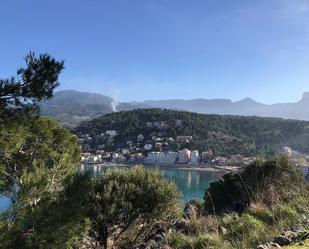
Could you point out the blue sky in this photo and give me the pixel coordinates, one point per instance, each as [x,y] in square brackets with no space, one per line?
[163,49]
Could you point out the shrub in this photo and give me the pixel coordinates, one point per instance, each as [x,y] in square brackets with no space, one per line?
[199,204]
[209,241]
[261,212]
[245,231]
[268,182]
[120,197]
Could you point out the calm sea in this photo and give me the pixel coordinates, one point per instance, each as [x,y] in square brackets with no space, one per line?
[191,183]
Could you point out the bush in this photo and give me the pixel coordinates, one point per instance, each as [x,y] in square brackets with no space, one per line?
[199,204]
[245,231]
[261,212]
[121,197]
[268,182]
[209,241]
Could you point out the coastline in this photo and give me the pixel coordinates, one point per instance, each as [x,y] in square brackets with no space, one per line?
[195,167]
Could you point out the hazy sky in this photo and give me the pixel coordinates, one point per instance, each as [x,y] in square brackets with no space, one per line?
[161,49]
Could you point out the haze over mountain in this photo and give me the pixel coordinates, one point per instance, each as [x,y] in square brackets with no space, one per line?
[245,107]
[71,107]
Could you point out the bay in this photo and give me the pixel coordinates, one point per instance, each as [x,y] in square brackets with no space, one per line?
[191,182]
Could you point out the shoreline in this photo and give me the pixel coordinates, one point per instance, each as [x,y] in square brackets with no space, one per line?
[195,167]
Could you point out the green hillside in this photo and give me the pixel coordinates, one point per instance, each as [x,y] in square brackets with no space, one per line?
[224,135]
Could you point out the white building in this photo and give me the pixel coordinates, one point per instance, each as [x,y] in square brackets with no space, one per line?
[125,151]
[148,147]
[92,159]
[111,133]
[184,156]
[140,137]
[81,140]
[156,157]
[178,122]
[184,139]
[220,160]
[149,124]
[207,156]
[195,159]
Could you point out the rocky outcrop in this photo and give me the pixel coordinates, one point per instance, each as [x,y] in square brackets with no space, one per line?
[190,210]
[152,240]
[181,224]
[287,238]
[269,245]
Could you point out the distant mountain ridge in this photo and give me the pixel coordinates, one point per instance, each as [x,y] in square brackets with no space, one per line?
[71,107]
[245,107]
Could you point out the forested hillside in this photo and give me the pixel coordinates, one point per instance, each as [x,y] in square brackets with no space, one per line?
[224,135]
[72,107]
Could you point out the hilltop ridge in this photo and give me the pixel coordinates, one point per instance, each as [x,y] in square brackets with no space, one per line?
[224,135]
[72,107]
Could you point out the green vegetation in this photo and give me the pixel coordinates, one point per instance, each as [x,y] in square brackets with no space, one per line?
[52,206]
[21,94]
[70,107]
[37,154]
[275,197]
[266,182]
[302,245]
[37,159]
[126,197]
[224,135]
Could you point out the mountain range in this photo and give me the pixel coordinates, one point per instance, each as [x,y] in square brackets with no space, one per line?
[71,107]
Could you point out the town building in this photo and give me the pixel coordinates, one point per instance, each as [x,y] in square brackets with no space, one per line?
[178,122]
[195,159]
[220,160]
[160,124]
[184,156]
[156,157]
[125,151]
[184,139]
[148,147]
[111,133]
[140,137]
[207,156]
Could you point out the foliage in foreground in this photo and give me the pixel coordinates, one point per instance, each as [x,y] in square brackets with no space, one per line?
[36,82]
[268,182]
[123,197]
[37,157]
[276,197]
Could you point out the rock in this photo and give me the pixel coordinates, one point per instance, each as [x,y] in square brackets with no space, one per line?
[283,240]
[190,210]
[158,237]
[151,244]
[165,247]
[222,230]
[269,245]
[181,224]
[141,246]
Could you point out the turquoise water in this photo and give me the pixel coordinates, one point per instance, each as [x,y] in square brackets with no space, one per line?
[191,183]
